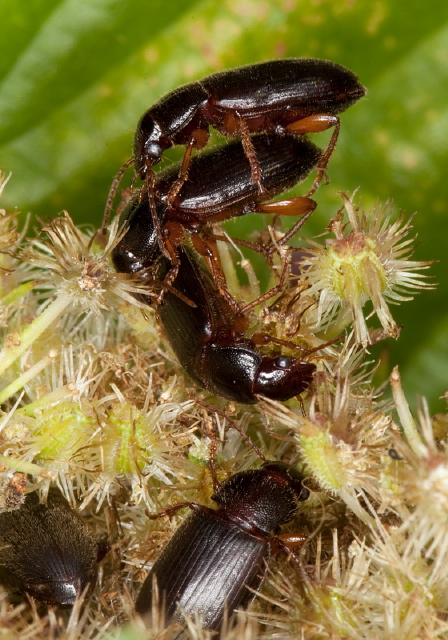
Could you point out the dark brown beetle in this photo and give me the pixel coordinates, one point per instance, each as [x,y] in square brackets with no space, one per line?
[204,327]
[47,551]
[297,95]
[208,339]
[216,556]
[219,187]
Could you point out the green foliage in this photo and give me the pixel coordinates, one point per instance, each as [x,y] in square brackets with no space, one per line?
[75,76]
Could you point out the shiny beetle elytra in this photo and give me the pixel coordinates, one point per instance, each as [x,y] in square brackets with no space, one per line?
[216,556]
[298,95]
[219,187]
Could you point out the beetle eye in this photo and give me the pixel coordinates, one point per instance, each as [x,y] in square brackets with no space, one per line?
[283,362]
[153,151]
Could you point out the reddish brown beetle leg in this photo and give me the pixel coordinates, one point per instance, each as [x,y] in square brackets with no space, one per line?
[207,248]
[248,146]
[183,174]
[198,140]
[170,511]
[300,206]
[315,124]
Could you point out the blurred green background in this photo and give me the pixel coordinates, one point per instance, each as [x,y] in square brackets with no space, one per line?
[76,75]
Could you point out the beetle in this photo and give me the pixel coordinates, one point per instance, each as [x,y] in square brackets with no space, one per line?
[217,557]
[208,340]
[204,327]
[47,551]
[300,95]
[219,187]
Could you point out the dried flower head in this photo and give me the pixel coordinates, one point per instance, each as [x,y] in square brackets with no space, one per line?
[370,262]
[421,486]
[8,221]
[76,265]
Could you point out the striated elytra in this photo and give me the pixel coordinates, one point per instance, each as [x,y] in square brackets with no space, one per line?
[216,556]
[262,97]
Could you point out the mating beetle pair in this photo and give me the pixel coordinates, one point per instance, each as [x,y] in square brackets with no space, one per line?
[296,95]
[201,321]
[207,333]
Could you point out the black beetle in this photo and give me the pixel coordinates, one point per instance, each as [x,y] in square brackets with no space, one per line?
[216,556]
[209,341]
[298,95]
[47,551]
[204,327]
[219,187]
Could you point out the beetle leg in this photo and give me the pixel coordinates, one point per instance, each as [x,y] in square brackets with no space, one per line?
[111,195]
[249,150]
[183,173]
[166,284]
[287,543]
[271,293]
[198,140]
[315,124]
[206,247]
[233,425]
[265,338]
[254,246]
[173,271]
[299,206]
[170,511]
[212,433]
[291,540]
[296,206]
[311,205]
[323,162]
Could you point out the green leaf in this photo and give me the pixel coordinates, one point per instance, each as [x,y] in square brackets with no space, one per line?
[76,75]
